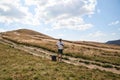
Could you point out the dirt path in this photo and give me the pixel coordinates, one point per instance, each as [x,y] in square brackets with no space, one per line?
[67,59]
[89,46]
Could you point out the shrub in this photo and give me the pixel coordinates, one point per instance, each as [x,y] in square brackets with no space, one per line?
[118,68]
[65,58]
[107,66]
[97,64]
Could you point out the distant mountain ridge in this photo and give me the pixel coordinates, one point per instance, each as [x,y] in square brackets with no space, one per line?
[116,42]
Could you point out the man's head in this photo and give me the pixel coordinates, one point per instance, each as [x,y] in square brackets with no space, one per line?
[60,39]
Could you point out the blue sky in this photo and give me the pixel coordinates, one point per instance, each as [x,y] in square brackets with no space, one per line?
[84,20]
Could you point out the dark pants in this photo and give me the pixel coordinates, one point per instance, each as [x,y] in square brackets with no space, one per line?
[60,51]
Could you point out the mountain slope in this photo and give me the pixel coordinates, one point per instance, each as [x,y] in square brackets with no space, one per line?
[116,42]
[19,65]
[93,53]
[86,50]
[22,33]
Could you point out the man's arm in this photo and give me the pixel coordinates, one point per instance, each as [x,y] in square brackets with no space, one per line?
[57,44]
[62,44]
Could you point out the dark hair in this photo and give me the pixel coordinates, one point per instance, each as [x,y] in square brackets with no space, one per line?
[60,39]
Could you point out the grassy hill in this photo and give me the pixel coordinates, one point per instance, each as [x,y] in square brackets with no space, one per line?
[86,50]
[19,65]
[26,34]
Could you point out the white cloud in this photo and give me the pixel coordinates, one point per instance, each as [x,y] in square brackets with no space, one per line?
[2,30]
[68,13]
[114,23]
[113,34]
[57,13]
[72,23]
[60,35]
[48,29]
[97,34]
[70,7]
[13,11]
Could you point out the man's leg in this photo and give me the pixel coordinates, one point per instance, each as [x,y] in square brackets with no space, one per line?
[61,52]
[60,57]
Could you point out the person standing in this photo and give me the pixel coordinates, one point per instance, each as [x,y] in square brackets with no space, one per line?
[60,46]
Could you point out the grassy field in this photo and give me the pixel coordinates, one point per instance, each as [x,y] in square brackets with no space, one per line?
[105,55]
[19,65]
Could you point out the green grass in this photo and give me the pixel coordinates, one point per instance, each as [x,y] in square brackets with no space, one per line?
[107,66]
[78,52]
[19,65]
[118,68]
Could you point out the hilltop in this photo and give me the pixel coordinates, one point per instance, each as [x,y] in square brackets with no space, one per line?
[26,33]
[30,37]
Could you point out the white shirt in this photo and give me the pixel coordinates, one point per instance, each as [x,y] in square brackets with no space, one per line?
[60,45]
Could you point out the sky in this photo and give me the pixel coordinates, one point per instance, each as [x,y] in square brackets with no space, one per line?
[78,20]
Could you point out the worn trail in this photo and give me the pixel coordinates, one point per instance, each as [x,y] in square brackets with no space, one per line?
[47,54]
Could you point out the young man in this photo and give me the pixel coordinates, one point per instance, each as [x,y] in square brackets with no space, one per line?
[60,46]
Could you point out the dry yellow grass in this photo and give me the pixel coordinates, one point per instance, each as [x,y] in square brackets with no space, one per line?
[19,65]
[87,50]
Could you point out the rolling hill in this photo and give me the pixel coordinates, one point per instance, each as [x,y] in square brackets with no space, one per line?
[81,49]
[88,54]
[26,33]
